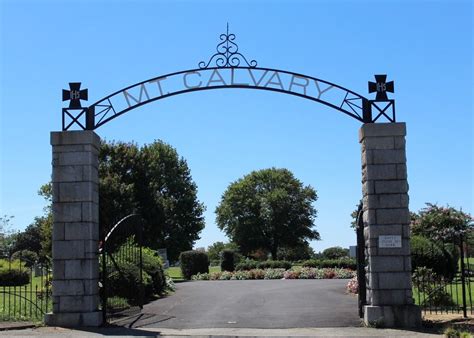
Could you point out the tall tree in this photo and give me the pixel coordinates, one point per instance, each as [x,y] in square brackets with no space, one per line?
[155,182]
[268,209]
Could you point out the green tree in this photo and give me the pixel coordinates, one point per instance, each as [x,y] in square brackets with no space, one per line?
[214,250]
[335,252]
[156,183]
[7,236]
[267,209]
[441,223]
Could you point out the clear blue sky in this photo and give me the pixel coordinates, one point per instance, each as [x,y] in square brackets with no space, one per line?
[424,46]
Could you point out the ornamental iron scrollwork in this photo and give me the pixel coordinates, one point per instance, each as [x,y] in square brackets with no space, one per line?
[228,54]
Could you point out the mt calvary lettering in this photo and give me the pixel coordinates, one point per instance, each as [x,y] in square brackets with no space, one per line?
[221,78]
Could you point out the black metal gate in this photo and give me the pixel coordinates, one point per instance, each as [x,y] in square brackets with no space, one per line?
[361,282]
[122,291]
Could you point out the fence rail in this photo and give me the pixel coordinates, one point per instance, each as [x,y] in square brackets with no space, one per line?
[25,289]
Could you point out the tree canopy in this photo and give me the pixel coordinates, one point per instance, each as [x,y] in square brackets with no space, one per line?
[268,209]
[155,182]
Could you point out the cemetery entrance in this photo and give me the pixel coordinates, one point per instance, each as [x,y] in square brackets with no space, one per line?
[385,215]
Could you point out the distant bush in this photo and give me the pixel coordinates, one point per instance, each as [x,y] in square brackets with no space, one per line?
[342,263]
[193,262]
[14,277]
[335,252]
[227,260]
[249,265]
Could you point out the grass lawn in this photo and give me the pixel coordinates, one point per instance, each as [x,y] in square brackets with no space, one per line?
[25,302]
[175,271]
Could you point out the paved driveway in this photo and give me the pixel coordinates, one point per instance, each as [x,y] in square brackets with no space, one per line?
[254,304]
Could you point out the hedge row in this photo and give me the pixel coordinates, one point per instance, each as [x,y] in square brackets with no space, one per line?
[251,264]
[342,263]
[193,262]
[14,277]
[299,273]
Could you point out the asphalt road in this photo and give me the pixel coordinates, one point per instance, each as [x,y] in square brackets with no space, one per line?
[266,304]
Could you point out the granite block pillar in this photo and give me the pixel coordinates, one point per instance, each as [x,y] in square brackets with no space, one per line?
[75,182]
[386,226]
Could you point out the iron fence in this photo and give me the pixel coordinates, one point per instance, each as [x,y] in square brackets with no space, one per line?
[25,289]
[447,287]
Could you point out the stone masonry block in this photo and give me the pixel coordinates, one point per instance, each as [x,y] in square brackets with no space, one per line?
[67,173]
[369,217]
[58,231]
[90,173]
[374,231]
[388,297]
[393,216]
[68,148]
[368,188]
[75,137]
[386,201]
[77,158]
[399,142]
[394,280]
[379,172]
[378,143]
[79,192]
[391,187]
[68,287]
[90,212]
[387,264]
[78,303]
[67,212]
[407,263]
[68,250]
[82,269]
[381,129]
[58,269]
[81,230]
[92,246]
[401,171]
[387,156]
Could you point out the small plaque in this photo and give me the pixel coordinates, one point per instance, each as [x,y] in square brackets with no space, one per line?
[392,241]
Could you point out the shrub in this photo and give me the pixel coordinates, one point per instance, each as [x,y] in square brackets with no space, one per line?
[14,277]
[246,265]
[153,266]
[335,252]
[29,258]
[251,264]
[426,253]
[353,286]
[274,273]
[227,260]
[193,262]
[123,282]
[342,263]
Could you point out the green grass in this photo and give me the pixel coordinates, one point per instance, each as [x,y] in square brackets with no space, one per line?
[175,271]
[454,290]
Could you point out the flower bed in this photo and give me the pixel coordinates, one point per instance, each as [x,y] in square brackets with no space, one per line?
[297,273]
[353,285]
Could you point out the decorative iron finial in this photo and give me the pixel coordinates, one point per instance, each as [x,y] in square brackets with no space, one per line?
[381,86]
[228,54]
[75,94]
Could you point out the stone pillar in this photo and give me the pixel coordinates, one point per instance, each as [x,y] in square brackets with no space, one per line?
[75,229]
[386,227]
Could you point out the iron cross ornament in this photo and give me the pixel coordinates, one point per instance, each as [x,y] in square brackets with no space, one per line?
[75,95]
[381,86]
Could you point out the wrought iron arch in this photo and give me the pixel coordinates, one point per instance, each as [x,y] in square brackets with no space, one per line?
[231,70]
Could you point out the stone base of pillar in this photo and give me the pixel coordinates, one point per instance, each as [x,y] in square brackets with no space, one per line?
[74,319]
[394,316]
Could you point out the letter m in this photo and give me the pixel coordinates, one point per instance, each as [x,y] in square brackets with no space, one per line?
[129,96]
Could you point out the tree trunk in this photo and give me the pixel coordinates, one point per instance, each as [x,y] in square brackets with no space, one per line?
[274,254]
